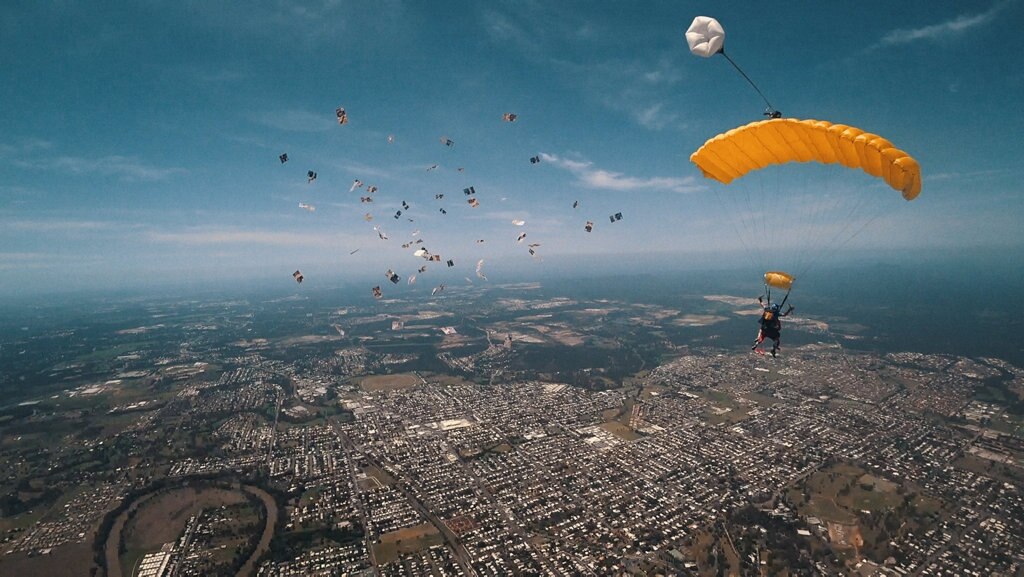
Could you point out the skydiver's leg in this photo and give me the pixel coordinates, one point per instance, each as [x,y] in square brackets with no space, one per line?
[775,345]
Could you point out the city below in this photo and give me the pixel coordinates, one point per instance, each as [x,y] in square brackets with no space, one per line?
[506,430]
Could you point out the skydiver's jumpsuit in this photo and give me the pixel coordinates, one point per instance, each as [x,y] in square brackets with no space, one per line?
[771,327]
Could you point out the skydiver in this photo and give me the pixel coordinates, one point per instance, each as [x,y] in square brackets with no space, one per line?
[771,324]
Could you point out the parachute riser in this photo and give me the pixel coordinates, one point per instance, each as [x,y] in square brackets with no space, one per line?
[771,112]
[768,293]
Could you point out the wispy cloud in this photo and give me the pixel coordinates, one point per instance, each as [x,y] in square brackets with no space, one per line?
[297,120]
[589,176]
[199,237]
[22,256]
[502,29]
[654,117]
[60,225]
[364,171]
[32,153]
[16,190]
[957,25]
[124,167]
[638,88]
[25,146]
[964,175]
[22,261]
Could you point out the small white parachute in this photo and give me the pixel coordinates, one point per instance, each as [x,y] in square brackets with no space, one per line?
[705,36]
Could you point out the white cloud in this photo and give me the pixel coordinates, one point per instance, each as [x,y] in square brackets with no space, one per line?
[22,256]
[653,117]
[122,166]
[973,174]
[33,156]
[297,120]
[198,237]
[936,31]
[364,171]
[125,167]
[25,146]
[60,225]
[589,176]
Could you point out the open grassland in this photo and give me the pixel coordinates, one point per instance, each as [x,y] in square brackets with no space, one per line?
[162,519]
[862,512]
[389,382]
[621,431]
[406,540]
[71,560]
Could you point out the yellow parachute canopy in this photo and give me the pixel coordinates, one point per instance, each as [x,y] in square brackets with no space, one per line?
[733,154]
[778,279]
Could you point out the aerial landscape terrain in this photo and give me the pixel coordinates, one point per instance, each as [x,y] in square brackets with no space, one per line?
[502,430]
[511,288]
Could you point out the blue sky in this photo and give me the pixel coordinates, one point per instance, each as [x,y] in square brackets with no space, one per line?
[139,141]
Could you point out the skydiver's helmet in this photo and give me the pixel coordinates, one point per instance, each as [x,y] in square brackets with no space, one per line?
[775,308]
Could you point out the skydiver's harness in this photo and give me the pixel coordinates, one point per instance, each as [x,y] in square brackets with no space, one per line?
[769,318]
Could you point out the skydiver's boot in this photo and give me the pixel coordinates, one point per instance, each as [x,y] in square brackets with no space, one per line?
[775,348]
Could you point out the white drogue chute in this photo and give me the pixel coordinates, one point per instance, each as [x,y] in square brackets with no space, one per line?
[705,36]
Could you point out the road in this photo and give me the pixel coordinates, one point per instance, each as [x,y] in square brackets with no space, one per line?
[461,556]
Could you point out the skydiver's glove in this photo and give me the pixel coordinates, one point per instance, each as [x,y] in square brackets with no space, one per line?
[791,307]
[760,299]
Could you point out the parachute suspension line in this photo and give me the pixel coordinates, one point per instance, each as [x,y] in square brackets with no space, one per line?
[753,215]
[841,239]
[744,228]
[852,236]
[747,250]
[757,208]
[777,217]
[770,112]
[819,205]
[748,213]
[802,248]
